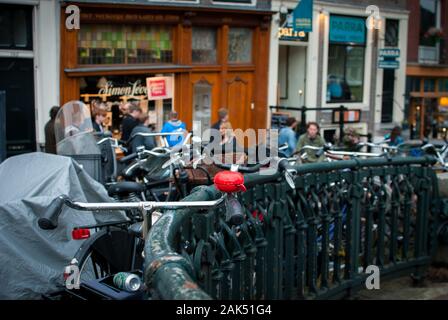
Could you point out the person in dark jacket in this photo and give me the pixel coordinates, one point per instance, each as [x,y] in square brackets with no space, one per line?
[143,127]
[99,115]
[228,141]
[130,121]
[223,114]
[50,138]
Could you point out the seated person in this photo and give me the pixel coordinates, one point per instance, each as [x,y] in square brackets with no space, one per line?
[311,138]
[394,137]
[351,140]
[143,127]
[288,135]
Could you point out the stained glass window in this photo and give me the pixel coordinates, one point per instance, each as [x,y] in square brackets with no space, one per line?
[118,44]
[240,45]
[204,45]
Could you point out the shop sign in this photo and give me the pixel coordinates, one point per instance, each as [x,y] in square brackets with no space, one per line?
[287,33]
[134,89]
[159,88]
[302,16]
[127,17]
[387,58]
[349,30]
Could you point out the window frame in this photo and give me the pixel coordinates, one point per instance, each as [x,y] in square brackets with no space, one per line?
[244,63]
[218,46]
[29,27]
[386,45]
[438,16]
[345,44]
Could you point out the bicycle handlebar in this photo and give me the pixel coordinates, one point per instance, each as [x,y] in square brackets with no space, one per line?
[50,219]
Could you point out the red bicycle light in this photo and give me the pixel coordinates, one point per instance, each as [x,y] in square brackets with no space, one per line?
[229,181]
[80,234]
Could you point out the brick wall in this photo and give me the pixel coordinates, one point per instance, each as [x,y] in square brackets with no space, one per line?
[444,25]
[413,30]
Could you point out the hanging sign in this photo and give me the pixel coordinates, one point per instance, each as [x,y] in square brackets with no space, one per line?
[159,88]
[387,58]
[303,16]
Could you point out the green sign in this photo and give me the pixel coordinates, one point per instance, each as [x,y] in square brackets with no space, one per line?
[350,30]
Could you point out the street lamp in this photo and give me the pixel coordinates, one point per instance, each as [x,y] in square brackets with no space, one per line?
[283,9]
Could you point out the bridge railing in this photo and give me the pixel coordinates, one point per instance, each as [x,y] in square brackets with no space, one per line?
[312,242]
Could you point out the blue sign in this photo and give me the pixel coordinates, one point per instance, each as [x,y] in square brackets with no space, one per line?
[387,58]
[390,53]
[302,16]
[347,30]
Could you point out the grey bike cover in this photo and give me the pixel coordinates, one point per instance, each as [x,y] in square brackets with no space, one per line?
[32,260]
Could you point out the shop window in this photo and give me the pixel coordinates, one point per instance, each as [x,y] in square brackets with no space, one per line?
[240,45]
[345,73]
[429,85]
[391,36]
[204,45]
[443,85]
[117,44]
[16,27]
[414,84]
[346,58]
[428,22]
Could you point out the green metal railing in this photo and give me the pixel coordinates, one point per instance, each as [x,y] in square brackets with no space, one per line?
[308,243]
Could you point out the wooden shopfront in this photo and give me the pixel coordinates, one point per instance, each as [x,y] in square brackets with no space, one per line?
[218,57]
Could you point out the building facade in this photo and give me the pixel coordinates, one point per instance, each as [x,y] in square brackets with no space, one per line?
[340,63]
[215,52]
[427,69]
[29,70]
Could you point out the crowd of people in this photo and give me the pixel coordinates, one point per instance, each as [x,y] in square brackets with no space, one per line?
[312,137]
[134,120]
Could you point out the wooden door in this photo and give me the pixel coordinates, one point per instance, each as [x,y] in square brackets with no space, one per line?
[239,99]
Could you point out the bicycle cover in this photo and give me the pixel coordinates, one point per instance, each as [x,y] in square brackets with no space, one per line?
[32,260]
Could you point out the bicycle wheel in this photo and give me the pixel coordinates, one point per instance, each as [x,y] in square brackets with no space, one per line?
[107,252]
